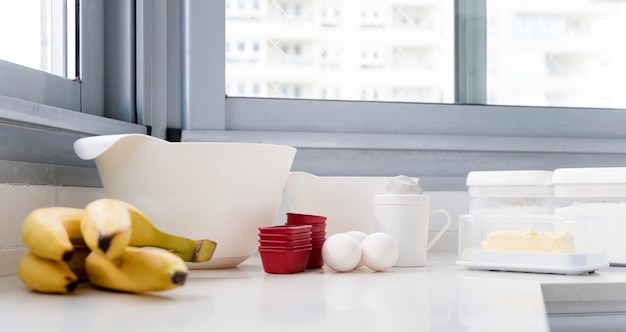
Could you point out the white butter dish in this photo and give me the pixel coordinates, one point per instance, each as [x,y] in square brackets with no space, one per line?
[533,243]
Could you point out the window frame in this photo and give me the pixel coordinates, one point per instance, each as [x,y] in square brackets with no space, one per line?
[176,90]
[439,143]
[42,114]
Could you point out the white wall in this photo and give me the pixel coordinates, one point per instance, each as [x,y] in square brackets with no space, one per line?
[16,201]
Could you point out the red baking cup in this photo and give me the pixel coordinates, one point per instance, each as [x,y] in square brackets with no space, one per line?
[320,237]
[285,242]
[285,229]
[315,228]
[279,234]
[304,219]
[284,261]
[286,237]
[285,247]
[317,244]
[315,258]
[318,228]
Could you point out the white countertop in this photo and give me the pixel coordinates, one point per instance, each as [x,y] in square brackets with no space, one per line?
[439,297]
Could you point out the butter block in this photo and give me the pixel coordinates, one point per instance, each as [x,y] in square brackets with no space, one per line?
[529,240]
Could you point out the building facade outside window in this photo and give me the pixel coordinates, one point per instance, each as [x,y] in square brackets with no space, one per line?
[539,53]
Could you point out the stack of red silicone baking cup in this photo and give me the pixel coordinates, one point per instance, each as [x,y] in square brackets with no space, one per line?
[285,248]
[318,235]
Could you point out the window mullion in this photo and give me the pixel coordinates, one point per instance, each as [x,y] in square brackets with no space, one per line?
[159,66]
[470,51]
[91,59]
[203,59]
[58,40]
[119,60]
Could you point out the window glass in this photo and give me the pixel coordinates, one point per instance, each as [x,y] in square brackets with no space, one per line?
[340,49]
[556,53]
[39,34]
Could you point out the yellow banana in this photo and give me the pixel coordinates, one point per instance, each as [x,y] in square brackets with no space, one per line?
[98,222]
[46,275]
[106,227]
[137,270]
[145,234]
[77,263]
[49,232]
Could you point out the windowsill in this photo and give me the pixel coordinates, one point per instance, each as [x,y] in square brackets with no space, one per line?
[28,114]
[38,143]
[442,162]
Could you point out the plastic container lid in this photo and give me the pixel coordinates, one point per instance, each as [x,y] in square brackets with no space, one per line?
[590,182]
[594,175]
[509,178]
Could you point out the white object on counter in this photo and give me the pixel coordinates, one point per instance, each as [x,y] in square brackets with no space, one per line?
[346,201]
[341,252]
[200,190]
[510,192]
[359,237]
[406,219]
[596,191]
[588,234]
[344,252]
[379,251]
[403,184]
[535,262]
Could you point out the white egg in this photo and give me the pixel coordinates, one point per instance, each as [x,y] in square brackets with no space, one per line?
[379,251]
[341,252]
[359,237]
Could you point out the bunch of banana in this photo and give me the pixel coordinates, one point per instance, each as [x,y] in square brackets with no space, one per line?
[48,233]
[102,243]
[105,230]
[137,270]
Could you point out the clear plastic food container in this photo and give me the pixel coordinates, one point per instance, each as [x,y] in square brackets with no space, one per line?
[532,243]
[598,191]
[510,192]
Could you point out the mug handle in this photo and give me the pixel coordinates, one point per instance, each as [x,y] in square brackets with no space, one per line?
[445,227]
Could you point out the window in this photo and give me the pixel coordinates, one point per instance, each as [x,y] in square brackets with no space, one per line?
[418,105]
[48,96]
[441,125]
[367,49]
[534,50]
[47,35]
[556,53]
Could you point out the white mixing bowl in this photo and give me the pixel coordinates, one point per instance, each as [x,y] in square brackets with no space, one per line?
[346,201]
[201,190]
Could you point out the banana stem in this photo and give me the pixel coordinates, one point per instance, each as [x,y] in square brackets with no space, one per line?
[144,233]
[178,245]
[181,246]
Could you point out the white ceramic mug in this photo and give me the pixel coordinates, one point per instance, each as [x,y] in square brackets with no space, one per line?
[406,219]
